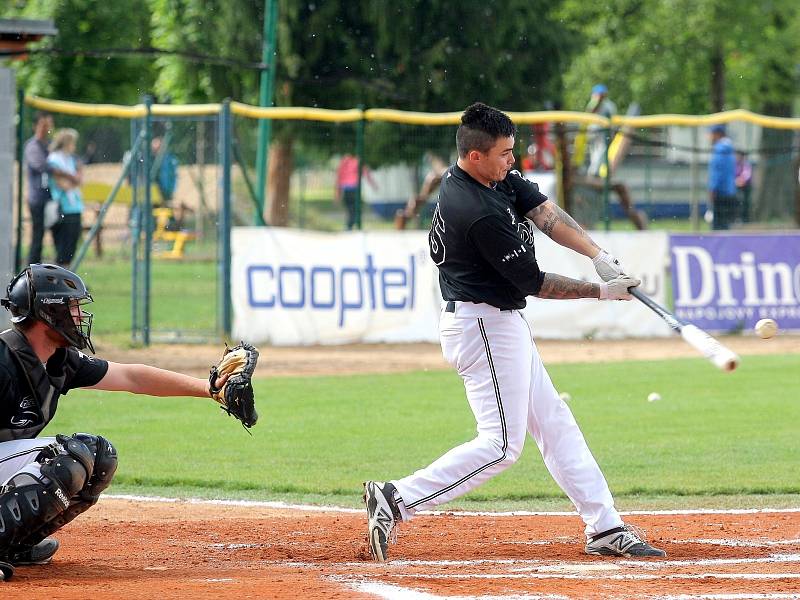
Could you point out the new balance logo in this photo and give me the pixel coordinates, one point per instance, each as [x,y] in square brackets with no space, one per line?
[621,542]
[383,519]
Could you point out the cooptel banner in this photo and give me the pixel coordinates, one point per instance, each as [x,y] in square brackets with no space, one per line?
[727,282]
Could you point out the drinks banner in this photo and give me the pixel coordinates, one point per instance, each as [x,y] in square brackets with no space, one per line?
[727,282]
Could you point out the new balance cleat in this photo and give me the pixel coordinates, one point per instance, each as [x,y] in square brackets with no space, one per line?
[39,554]
[383,515]
[622,541]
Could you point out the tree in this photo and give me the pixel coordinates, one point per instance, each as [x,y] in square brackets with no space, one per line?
[85,25]
[416,55]
[695,56]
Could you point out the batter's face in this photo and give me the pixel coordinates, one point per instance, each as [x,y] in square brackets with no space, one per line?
[494,164]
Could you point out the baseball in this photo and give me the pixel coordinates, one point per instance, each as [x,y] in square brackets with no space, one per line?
[653,397]
[766,328]
[565,396]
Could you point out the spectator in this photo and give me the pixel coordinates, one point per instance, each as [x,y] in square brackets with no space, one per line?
[744,179]
[722,179]
[347,186]
[38,171]
[65,189]
[599,104]
[89,153]
[165,165]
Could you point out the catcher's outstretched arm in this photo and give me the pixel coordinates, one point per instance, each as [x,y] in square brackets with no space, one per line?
[144,379]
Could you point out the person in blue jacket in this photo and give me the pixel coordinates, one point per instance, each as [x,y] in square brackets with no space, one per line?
[722,179]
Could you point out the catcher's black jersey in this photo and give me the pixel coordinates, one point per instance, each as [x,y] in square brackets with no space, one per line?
[19,408]
[482,242]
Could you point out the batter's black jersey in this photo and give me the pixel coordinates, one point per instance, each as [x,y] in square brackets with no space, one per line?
[482,242]
[18,405]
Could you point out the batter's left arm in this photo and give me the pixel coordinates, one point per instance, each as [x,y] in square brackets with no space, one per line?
[562,229]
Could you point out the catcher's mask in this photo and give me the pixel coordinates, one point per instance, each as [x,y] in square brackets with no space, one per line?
[53,295]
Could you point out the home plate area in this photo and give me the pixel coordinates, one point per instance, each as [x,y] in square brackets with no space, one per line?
[176,549]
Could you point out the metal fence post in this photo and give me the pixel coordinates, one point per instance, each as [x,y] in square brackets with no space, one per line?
[147,219]
[607,182]
[694,186]
[20,177]
[360,125]
[224,248]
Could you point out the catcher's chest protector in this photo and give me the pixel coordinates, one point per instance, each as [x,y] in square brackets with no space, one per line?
[45,388]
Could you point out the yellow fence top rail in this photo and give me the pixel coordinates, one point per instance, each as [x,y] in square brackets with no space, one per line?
[402,116]
[707,120]
[298,112]
[86,110]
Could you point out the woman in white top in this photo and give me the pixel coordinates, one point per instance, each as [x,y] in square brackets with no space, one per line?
[67,230]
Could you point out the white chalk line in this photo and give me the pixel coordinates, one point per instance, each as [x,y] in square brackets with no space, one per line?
[739,543]
[662,564]
[615,577]
[518,513]
[395,592]
[742,596]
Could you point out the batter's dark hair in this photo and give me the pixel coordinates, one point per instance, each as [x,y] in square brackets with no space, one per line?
[481,126]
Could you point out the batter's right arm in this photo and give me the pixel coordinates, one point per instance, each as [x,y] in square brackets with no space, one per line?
[559,287]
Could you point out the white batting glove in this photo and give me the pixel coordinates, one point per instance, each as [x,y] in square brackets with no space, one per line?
[607,266]
[617,288]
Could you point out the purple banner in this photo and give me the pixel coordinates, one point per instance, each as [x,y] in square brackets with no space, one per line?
[727,282]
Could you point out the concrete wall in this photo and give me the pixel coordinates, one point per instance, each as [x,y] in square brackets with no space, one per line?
[8,109]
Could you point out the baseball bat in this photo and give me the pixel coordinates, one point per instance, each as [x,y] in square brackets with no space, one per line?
[721,357]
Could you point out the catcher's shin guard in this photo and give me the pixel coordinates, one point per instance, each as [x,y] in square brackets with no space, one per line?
[105,465]
[28,502]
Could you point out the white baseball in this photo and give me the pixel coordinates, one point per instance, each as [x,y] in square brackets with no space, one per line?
[766,328]
[565,396]
[653,397]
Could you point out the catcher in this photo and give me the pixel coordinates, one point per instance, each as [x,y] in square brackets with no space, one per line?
[46,482]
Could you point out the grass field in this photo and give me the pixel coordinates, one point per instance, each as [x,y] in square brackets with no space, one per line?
[729,439]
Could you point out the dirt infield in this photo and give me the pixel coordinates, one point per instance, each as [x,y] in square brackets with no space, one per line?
[388,358]
[137,550]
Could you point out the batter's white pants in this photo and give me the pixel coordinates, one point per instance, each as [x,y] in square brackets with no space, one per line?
[510,394]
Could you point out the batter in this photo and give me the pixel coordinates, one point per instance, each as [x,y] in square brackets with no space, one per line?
[481,240]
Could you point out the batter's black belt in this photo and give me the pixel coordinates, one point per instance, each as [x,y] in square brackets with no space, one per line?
[451,307]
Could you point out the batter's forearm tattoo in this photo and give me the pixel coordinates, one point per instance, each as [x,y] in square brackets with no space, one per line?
[558,287]
[546,216]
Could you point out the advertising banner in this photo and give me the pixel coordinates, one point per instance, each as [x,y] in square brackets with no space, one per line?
[293,287]
[727,282]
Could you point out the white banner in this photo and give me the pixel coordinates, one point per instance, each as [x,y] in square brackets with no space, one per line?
[293,287]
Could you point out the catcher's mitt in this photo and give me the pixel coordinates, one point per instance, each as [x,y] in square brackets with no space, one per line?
[236,393]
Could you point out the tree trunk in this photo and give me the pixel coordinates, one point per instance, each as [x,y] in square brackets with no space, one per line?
[279,174]
[776,176]
[717,80]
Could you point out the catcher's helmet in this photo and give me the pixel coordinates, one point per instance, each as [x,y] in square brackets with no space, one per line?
[48,293]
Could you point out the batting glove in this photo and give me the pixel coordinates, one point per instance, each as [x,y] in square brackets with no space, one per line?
[607,266]
[617,288]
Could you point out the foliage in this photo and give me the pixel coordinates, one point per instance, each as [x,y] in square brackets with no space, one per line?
[213,28]
[439,59]
[88,25]
[659,52]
